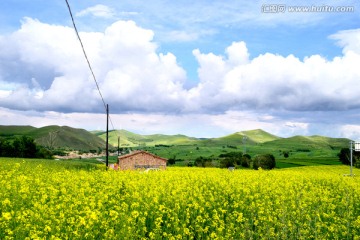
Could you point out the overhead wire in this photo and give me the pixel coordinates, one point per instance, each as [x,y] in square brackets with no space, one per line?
[83,49]
[88,63]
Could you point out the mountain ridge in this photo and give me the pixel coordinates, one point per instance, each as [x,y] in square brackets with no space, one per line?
[54,136]
[77,138]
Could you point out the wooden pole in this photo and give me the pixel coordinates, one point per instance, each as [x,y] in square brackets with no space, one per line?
[107,136]
[351,157]
[119,146]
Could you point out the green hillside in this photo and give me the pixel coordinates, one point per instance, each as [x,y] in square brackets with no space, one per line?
[56,136]
[300,149]
[248,137]
[258,136]
[129,139]
[303,143]
[13,131]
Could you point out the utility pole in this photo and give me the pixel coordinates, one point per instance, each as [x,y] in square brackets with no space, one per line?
[351,157]
[354,147]
[118,145]
[244,142]
[107,136]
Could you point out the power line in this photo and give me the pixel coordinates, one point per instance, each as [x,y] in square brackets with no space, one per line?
[91,70]
[83,49]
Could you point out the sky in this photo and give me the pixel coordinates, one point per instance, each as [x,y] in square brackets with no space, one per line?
[199,68]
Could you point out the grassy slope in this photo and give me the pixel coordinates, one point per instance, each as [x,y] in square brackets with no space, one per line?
[13,131]
[258,141]
[303,144]
[237,139]
[303,150]
[65,137]
[129,139]
[258,136]
[68,137]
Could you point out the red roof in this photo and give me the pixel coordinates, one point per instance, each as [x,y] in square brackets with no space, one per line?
[139,152]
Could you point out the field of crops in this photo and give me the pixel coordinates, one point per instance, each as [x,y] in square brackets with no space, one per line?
[57,200]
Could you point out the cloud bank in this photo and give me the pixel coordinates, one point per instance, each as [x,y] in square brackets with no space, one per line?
[42,68]
[43,74]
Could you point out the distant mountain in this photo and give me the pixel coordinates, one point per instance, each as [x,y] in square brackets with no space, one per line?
[238,139]
[304,143]
[56,136]
[129,139]
[80,139]
[253,137]
[11,131]
[250,137]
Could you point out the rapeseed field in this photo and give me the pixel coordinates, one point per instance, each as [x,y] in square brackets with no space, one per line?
[46,200]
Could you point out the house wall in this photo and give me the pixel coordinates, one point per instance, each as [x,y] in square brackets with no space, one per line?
[141,160]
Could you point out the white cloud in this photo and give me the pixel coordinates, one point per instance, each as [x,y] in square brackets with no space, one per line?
[98,10]
[135,78]
[4,93]
[272,81]
[349,40]
[131,75]
[350,131]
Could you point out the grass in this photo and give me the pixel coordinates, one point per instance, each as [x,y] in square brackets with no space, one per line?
[188,153]
[302,150]
[63,137]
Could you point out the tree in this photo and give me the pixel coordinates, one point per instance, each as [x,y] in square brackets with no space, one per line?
[246,160]
[264,161]
[171,161]
[231,159]
[203,162]
[24,147]
[344,156]
[7,149]
[43,153]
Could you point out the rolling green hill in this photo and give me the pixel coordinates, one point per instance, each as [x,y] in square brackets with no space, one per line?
[184,147]
[129,139]
[56,136]
[258,136]
[238,138]
[289,152]
[13,131]
[303,143]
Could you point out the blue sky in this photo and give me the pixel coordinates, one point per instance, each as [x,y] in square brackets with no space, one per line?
[199,68]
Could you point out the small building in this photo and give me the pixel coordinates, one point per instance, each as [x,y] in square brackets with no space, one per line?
[141,160]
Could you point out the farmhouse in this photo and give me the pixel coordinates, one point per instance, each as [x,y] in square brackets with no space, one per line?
[141,160]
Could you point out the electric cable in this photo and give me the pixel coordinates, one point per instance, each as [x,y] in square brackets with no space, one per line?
[88,63]
[83,49]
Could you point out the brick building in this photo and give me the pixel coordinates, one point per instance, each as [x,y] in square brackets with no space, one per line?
[141,160]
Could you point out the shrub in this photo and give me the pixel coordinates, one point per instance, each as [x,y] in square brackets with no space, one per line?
[265,161]
[344,157]
[231,159]
[245,160]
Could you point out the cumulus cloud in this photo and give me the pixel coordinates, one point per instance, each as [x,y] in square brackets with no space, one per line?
[43,68]
[50,72]
[349,40]
[98,10]
[271,81]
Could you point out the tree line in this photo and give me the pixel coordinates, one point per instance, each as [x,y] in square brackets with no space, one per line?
[233,159]
[23,147]
[344,157]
